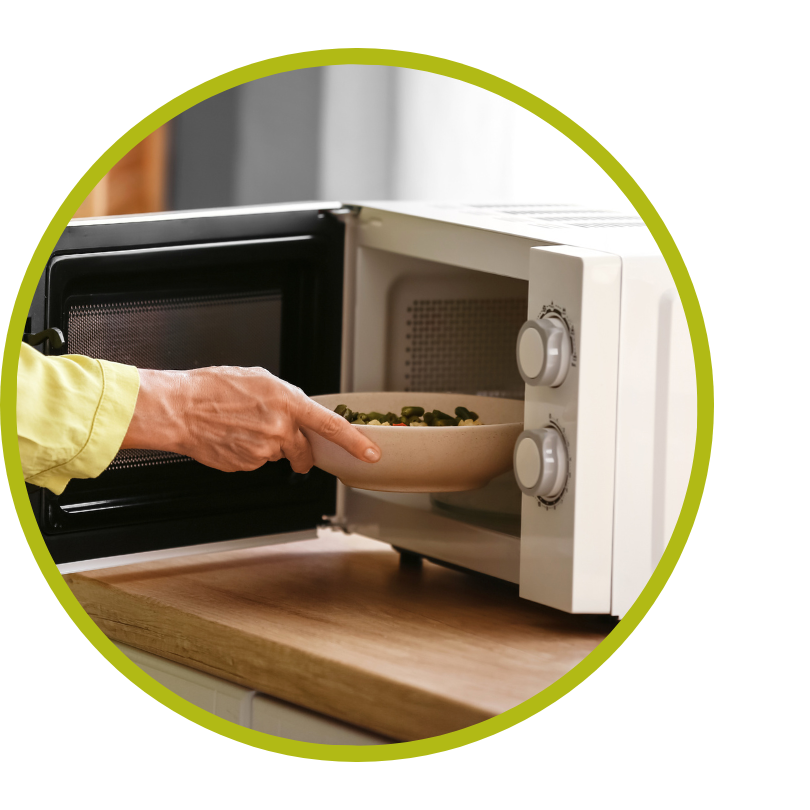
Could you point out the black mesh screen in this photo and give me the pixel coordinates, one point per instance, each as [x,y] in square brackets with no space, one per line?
[178,333]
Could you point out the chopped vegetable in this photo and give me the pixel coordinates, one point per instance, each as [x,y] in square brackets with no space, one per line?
[411,415]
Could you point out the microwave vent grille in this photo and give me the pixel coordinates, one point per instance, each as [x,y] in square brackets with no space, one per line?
[560,215]
[463,345]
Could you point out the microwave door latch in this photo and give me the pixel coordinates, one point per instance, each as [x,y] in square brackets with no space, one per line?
[55,336]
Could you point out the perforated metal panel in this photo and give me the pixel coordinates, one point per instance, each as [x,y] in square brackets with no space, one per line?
[561,215]
[178,333]
[464,345]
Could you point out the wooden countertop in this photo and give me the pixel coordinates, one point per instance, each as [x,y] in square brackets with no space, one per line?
[337,626]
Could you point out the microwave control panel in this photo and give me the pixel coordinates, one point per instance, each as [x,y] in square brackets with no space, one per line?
[567,353]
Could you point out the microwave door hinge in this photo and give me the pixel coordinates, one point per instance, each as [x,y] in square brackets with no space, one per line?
[337,523]
[339,519]
[346,210]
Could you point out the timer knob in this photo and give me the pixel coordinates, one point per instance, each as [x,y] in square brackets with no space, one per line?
[544,351]
[541,462]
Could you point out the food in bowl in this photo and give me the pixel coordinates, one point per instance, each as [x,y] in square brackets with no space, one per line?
[411,416]
[446,458]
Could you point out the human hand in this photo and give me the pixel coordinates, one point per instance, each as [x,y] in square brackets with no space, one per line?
[235,418]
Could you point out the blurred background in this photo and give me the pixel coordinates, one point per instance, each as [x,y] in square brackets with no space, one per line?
[351,133]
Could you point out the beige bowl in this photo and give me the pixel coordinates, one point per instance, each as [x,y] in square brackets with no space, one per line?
[430,459]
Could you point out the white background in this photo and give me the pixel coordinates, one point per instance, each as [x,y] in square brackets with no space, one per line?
[705,105]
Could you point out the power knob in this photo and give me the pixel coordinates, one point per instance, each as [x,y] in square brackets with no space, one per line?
[541,462]
[544,351]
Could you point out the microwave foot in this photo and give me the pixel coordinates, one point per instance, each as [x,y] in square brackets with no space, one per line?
[408,559]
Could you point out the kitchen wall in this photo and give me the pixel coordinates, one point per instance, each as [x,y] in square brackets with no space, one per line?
[357,133]
[322,133]
[278,133]
[203,155]
[353,132]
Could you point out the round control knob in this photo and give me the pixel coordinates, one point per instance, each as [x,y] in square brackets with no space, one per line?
[544,351]
[541,462]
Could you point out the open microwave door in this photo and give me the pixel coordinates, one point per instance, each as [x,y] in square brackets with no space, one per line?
[257,286]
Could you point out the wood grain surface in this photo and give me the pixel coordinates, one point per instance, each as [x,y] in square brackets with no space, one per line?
[137,184]
[337,626]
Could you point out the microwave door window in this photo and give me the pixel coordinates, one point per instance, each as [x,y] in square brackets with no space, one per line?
[179,333]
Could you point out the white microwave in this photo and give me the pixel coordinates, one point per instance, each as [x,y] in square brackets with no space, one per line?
[571,309]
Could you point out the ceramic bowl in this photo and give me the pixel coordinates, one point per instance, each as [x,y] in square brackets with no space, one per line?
[430,459]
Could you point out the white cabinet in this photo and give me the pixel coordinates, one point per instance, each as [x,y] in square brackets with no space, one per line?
[288,720]
[248,708]
[222,698]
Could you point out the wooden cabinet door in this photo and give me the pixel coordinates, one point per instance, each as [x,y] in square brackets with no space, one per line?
[137,184]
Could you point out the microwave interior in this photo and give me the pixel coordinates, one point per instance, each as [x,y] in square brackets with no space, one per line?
[442,328]
[266,292]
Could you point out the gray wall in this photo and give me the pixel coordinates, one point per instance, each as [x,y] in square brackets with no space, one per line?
[278,128]
[358,126]
[316,134]
[203,154]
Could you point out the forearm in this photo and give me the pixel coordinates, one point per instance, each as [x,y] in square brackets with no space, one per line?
[160,419]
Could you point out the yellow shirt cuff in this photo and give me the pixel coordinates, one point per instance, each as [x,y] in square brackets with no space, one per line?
[109,425]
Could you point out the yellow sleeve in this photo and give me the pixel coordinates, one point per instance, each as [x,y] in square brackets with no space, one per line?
[72,415]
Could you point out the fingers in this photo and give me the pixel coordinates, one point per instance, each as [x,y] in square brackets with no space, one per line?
[336,429]
[298,452]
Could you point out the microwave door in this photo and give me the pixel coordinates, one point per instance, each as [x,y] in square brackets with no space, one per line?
[567,535]
[257,286]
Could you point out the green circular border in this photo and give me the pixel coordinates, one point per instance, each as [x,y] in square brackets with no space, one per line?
[697,330]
